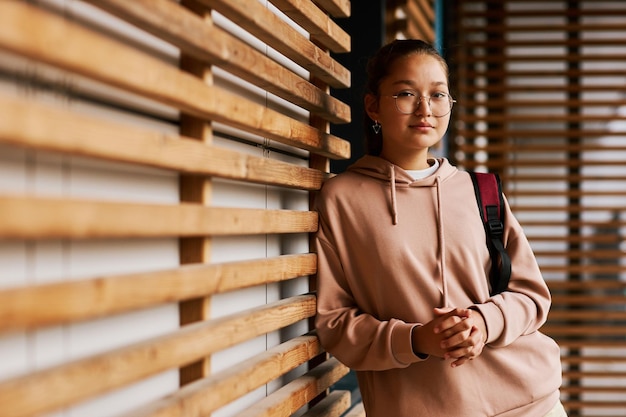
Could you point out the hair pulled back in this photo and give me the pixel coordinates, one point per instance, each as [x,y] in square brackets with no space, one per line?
[377,69]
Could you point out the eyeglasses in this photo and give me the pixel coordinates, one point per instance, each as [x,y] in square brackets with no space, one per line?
[407,102]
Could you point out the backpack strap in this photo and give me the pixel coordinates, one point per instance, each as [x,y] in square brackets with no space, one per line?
[488,190]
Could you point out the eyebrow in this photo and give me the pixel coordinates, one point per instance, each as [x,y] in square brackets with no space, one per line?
[411,83]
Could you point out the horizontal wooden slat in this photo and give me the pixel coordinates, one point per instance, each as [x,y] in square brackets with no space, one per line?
[357,411]
[593,389]
[593,359]
[336,8]
[598,238]
[294,395]
[576,238]
[50,389]
[416,30]
[267,26]
[207,395]
[597,254]
[570,179]
[116,64]
[593,374]
[41,127]
[571,208]
[544,133]
[333,405]
[502,163]
[534,42]
[558,162]
[42,305]
[499,30]
[577,345]
[583,269]
[496,104]
[546,118]
[576,404]
[587,285]
[561,148]
[566,193]
[190,33]
[319,25]
[540,90]
[535,12]
[578,271]
[586,315]
[557,193]
[420,19]
[427,8]
[589,299]
[547,58]
[45,218]
[581,331]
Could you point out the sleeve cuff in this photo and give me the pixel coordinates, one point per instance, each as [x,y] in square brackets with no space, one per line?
[494,321]
[402,344]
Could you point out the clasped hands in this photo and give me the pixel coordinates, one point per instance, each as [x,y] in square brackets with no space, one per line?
[457,334]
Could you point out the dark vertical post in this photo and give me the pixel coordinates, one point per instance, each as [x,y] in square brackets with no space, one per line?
[574,172]
[366,26]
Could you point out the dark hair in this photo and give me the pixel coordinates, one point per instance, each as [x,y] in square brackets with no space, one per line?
[378,68]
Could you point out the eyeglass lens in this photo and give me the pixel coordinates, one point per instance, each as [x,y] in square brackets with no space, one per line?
[440,105]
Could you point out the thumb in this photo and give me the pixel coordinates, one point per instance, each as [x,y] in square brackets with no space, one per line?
[442,311]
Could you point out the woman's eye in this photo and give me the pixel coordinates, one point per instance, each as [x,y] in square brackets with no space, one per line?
[406,94]
[439,95]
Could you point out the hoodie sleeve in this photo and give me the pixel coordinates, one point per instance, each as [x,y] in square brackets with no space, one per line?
[523,308]
[357,339]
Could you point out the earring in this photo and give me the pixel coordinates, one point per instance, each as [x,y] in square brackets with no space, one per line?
[376,126]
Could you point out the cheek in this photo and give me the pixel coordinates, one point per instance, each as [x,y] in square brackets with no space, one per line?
[442,125]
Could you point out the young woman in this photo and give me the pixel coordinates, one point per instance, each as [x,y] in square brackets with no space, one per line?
[403,295]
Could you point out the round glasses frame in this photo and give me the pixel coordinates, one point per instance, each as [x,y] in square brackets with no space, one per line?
[417,100]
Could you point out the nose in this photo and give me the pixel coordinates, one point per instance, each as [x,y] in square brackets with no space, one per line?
[423,102]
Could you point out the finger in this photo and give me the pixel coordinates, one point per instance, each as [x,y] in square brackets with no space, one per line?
[442,310]
[447,323]
[460,362]
[453,325]
[458,339]
[451,319]
[462,352]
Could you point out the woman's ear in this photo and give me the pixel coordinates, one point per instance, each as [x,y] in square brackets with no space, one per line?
[371,106]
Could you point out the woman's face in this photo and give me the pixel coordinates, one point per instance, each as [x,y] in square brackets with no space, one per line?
[407,137]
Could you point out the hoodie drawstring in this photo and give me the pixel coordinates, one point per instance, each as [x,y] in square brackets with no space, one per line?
[440,234]
[394,210]
[442,244]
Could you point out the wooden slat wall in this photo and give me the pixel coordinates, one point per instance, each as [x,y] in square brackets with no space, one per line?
[268,104]
[540,100]
[410,19]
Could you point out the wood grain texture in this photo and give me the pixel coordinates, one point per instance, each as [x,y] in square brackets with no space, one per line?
[268,27]
[336,8]
[90,54]
[51,389]
[317,23]
[47,218]
[333,405]
[42,305]
[47,128]
[207,42]
[294,395]
[209,394]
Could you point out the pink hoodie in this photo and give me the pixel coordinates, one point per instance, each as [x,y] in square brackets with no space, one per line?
[390,249]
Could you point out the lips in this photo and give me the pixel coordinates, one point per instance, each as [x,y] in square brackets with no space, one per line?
[421,125]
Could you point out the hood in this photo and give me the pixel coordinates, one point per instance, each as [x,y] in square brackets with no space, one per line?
[381,169]
[376,167]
